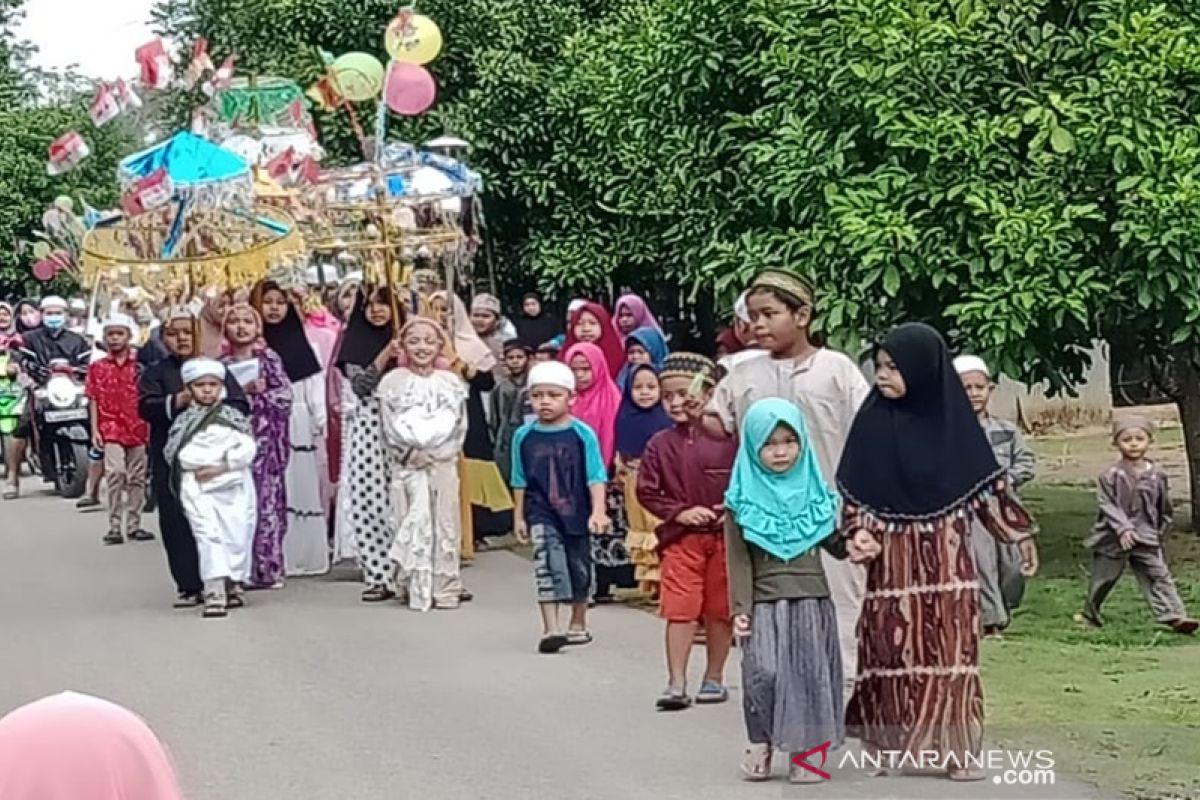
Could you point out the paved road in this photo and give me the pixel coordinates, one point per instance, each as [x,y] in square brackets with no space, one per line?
[309,695]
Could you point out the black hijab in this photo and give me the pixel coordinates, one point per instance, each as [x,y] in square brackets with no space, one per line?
[362,341]
[288,339]
[536,331]
[924,455]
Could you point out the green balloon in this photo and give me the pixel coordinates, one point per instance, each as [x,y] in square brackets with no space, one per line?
[357,76]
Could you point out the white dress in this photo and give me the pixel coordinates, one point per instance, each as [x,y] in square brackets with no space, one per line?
[305,546]
[223,511]
[424,424]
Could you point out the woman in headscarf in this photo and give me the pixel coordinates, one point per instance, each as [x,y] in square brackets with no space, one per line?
[487,503]
[645,346]
[597,403]
[305,548]
[916,469]
[631,313]
[8,324]
[364,527]
[73,746]
[641,416]
[590,323]
[535,326]
[262,376]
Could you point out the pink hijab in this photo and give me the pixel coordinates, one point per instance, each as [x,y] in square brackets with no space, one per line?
[642,315]
[598,404]
[72,746]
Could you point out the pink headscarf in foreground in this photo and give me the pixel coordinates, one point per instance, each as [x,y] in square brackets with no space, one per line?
[598,404]
[77,747]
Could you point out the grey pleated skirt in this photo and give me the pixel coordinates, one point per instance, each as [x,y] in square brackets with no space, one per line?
[792,676]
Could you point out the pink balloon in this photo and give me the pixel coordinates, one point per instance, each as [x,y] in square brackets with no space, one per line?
[44,269]
[409,89]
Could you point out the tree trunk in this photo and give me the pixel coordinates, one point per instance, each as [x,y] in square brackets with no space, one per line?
[1187,398]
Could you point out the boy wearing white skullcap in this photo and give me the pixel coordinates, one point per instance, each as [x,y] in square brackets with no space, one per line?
[1001,585]
[210,451]
[558,480]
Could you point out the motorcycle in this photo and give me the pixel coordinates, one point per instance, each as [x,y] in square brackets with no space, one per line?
[61,427]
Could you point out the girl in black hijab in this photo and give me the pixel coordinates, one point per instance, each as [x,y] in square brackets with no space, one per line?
[285,334]
[916,467]
[534,326]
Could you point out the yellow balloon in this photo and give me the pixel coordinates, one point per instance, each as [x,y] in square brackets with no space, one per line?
[413,39]
[357,76]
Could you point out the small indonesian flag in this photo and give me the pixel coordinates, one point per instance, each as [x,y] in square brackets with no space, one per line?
[201,122]
[65,152]
[126,95]
[221,78]
[155,64]
[280,167]
[310,171]
[150,192]
[106,106]
[200,64]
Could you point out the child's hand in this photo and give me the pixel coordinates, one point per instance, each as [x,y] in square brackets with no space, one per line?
[256,386]
[1029,557]
[598,523]
[206,474]
[1128,540]
[696,517]
[741,625]
[521,531]
[863,547]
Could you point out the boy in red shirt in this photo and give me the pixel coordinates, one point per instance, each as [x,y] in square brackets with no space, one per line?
[118,430]
[682,481]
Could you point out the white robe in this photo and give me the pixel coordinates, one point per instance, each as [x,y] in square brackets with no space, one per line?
[305,546]
[223,511]
[424,424]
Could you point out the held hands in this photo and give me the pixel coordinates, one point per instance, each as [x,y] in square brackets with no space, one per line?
[206,474]
[863,547]
[741,625]
[1029,557]
[256,386]
[1127,540]
[697,517]
[598,523]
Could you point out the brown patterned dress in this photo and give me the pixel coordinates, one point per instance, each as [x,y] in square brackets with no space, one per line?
[918,685]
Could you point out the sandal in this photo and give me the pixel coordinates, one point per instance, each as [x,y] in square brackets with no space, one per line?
[215,611]
[12,493]
[579,637]
[1184,625]
[1086,621]
[711,693]
[798,774]
[235,599]
[141,535]
[84,503]
[188,601]
[673,699]
[377,594]
[552,643]
[756,764]
[465,596]
[113,537]
[965,775]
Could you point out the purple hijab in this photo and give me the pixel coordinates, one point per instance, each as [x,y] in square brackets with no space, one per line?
[643,317]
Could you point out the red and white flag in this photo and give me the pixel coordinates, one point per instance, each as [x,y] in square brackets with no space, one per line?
[150,192]
[280,167]
[106,106]
[126,95]
[221,78]
[65,152]
[155,63]
[310,171]
[200,64]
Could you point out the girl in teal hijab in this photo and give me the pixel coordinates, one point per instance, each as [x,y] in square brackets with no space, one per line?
[777,495]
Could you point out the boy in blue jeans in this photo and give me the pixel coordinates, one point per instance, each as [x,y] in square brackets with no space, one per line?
[558,481]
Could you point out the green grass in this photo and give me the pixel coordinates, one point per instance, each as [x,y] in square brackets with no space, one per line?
[1118,706]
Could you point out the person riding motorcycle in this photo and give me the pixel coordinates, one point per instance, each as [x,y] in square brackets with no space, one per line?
[52,341]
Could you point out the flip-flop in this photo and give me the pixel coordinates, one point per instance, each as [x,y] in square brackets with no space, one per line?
[377,594]
[711,693]
[579,637]
[1185,626]
[673,700]
[141,535]
[552,643]
[215,612]
[113,537]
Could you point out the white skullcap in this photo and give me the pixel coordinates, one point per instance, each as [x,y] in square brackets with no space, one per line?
[121,321]
[575,305]
[78,305]
[196,368]
[965,364]
[740,309]
[552,373]
[53,301]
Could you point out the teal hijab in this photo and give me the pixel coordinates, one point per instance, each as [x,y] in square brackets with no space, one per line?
[784,513]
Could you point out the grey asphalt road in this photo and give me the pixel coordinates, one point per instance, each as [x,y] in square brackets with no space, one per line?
[307,694]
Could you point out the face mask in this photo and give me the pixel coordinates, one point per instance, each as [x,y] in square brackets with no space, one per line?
[54,321]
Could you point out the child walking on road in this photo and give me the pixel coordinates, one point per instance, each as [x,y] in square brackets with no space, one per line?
[559,481]
[1134,514]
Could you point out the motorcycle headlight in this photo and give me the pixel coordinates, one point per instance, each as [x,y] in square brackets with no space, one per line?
[61,391]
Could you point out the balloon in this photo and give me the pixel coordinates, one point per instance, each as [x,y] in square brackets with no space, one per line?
[357,76]
[410,89]
[44,270]
[413,39]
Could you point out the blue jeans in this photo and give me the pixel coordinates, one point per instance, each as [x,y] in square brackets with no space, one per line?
[562,565]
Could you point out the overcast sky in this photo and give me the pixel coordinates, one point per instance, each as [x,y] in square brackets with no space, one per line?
[99,36]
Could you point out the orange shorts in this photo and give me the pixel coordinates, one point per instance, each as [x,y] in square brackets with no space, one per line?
[695,582]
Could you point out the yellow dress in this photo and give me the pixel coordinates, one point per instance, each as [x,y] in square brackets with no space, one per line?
[640,539]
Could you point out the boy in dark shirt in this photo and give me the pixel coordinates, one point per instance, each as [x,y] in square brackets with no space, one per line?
[558,481]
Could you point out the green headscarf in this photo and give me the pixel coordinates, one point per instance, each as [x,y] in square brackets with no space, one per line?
[784,513]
